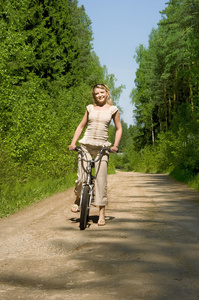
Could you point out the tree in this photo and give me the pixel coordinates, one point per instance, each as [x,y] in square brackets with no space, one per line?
[46,66]
[166,76]
[166,93]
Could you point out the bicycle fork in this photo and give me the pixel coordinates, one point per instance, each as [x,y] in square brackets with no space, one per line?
[90,183]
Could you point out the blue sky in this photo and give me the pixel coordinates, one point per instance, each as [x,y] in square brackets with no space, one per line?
[119,27]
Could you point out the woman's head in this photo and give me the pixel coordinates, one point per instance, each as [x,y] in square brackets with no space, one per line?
[102,87]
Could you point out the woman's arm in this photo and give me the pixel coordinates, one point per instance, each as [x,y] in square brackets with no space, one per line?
[118,134]
[78,131]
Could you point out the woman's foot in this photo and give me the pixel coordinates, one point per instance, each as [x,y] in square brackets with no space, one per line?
[75,208]
[101,222]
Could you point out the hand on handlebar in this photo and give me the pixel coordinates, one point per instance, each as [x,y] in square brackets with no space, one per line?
[114,149]
[71,147]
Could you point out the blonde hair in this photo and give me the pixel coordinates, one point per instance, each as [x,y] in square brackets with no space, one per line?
[104,87]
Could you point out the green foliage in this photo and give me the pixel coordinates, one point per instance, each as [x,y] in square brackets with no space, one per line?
[18,195]
[47,69]
[111,165]
[167,76]
[166,99]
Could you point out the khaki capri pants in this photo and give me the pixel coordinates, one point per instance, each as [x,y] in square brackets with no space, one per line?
[101,168]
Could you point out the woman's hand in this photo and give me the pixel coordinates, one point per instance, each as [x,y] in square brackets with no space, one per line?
[71,147]
[114,149]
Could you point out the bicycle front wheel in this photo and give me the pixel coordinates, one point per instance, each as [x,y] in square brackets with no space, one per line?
[84,212]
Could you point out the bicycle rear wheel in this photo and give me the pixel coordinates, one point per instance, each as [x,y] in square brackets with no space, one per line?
[84,212]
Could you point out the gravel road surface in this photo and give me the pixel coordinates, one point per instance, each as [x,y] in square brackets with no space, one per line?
[148,249]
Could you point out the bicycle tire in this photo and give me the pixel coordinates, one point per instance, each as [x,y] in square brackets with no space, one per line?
[84,212]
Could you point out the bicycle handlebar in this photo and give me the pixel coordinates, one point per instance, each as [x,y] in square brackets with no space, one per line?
[78,148]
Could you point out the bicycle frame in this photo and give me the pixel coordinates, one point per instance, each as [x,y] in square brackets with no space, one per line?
[87,191]
[90,177]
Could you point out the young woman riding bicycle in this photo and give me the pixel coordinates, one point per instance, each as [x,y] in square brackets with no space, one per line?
[97,119]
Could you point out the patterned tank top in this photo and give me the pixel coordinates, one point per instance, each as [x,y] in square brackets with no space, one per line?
[96,133]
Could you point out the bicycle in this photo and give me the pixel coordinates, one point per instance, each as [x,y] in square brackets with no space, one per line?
[87,191]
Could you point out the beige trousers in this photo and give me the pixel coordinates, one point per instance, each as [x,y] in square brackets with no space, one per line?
[100,173]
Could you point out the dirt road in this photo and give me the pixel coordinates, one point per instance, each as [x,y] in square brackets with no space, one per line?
[149,248]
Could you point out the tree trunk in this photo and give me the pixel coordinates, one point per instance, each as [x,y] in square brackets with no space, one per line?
[165,107]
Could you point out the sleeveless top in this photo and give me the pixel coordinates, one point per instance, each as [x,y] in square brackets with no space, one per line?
[96,133]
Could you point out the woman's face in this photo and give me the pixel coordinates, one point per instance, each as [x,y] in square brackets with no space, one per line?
[100,96]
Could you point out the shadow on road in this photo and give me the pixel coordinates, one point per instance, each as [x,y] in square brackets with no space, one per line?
[149,249]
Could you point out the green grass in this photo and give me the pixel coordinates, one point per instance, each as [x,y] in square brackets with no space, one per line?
[111,165]
[17,196]
[182,175]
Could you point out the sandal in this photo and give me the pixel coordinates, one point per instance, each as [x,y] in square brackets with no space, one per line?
[101,222]
[75,208]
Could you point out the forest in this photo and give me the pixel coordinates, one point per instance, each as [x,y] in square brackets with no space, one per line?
[166,96]
[47,69]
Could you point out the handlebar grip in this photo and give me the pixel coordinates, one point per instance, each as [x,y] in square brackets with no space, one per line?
[113,151]
[75,149]
[109,150]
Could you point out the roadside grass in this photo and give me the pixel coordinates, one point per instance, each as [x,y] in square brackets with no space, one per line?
[18,195]
[111,164]
[185,176]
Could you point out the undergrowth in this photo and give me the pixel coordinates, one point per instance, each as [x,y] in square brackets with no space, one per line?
[16,196]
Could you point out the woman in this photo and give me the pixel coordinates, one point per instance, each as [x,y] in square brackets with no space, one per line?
[97,118]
